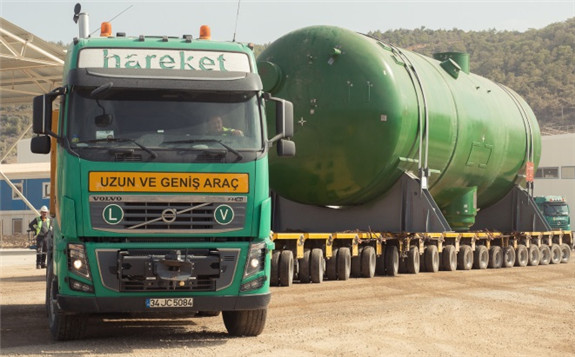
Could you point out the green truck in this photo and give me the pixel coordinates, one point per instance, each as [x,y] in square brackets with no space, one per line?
[555,210]
[160,181]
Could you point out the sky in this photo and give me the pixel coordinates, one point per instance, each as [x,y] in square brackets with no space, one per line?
[263,21]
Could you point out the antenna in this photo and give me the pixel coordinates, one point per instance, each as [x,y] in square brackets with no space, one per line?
[113,18]
[237,18]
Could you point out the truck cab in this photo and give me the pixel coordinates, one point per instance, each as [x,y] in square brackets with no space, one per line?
[555,210]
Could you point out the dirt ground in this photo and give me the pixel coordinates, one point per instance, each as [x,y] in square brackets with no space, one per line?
[508,312]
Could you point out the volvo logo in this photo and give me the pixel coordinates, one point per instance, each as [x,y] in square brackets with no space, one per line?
[169,215]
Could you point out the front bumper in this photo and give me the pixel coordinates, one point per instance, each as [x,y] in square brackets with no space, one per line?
[138,304]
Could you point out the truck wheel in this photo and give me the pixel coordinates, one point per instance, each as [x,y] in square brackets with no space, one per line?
[522,256]
[481,257]
[304,267]
[62,326]
[391,260]
[356,264]
[508,257]
[331,265]
[368,262]
[495,257]
[245,322]
[413,260]
[380,263]
[449,258]
[317,265]
[343,263]
[555,254]
[565,253]
[464,257]
[533,255]
[544,254]
[431,258]
[286,268]
[274,271]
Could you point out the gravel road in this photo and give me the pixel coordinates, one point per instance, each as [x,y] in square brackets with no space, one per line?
[508,312]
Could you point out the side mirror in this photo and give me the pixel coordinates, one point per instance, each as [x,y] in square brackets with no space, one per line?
[42,116]
[284,118]
[40,145]
[286,148]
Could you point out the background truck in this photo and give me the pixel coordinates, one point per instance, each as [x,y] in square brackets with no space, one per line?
[160,180]
[555,210]
[405,162]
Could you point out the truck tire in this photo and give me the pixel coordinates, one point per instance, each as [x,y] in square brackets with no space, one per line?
[413,260]
[522,256]
[356,264]
[449,258]
[380,263]
[533,255]
[495,257]
[274,270]
[331,265]
[508,257]
[245,322]
[464,257]
[391,260]
[62,326]
[368,262]
[317,265]
[431,259]
[481,257]
[343,263]
[286,268]
[555,254]
[565,253]
[544,254]
[304,267]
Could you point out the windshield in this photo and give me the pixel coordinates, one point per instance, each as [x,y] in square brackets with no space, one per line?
[557,209]
[164,126]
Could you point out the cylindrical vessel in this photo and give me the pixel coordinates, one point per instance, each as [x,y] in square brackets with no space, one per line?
[365,112]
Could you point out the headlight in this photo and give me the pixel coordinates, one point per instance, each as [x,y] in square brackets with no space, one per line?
[256,259]
[77,261]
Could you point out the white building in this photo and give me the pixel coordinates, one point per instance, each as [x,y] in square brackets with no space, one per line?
[556,173]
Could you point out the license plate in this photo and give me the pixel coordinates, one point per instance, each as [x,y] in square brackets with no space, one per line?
[169,302]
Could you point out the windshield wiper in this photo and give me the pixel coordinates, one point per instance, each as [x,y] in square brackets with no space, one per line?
[153,154]
[194,141]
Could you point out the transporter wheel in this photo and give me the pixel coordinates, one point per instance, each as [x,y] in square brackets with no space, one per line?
[533,255]
[331,265]
[62,326]
[368,262]
[431,258]
[565,253]
[508,257]
[555,254]
[317,265]
[286,268]
[449,258]
[521,256]
[495,257]
[343,263]
[274,271]
[481,257]
[304,267]
[464,257]
[380,263]
[413,260]
[245,322]
[356,264]
[544,254]
[391,260]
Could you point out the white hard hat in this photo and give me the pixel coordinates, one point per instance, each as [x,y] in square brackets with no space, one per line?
[43,209]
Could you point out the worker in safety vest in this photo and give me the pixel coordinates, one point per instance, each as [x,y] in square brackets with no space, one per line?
[42,227]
